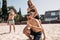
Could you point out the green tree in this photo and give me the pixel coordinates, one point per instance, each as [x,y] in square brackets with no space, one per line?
[0,11]
[17,18]
[4,10]
[20,15]
[0,15]
[24,18]
[42,17]
[11,7]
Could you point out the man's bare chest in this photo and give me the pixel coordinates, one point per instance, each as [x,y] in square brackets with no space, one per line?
[33,22]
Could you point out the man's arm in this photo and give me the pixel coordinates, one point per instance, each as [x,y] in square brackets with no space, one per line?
[29,25]
[42,30]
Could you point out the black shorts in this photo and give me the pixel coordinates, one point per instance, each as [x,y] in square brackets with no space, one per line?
[37,35]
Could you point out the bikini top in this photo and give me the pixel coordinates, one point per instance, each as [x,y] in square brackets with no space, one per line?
[32,10]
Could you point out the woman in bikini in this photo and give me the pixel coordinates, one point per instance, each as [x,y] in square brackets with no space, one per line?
[10,20]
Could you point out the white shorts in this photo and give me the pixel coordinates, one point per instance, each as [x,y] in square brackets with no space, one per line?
[11,21]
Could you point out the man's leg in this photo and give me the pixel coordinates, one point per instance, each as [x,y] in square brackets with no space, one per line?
[37,36]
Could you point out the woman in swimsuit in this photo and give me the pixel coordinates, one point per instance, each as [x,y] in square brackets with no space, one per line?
[10,20]
[31,8]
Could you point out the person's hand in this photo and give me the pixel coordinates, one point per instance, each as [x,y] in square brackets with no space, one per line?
[29,25]
[27,31]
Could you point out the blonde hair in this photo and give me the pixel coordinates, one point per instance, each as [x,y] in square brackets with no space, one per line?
[30,4]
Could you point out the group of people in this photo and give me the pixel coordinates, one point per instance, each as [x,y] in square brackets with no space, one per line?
[33,29]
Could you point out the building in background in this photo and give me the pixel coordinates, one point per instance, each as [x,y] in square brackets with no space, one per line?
[52,16]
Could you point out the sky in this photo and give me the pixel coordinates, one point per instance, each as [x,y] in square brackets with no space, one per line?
[41,5]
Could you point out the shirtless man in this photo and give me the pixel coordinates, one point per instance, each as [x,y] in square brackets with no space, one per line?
[33,25]
[10,20]
[35,28]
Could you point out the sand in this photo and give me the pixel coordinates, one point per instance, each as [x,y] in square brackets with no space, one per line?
[52,32]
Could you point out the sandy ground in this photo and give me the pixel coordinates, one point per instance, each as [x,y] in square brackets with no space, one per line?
[52,32]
